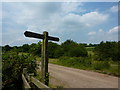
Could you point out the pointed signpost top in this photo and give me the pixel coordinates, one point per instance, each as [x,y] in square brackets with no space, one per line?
[39,36]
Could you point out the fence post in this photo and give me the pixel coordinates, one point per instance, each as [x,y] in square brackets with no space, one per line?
[26,84]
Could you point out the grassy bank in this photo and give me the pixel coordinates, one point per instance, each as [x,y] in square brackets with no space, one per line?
[88,63]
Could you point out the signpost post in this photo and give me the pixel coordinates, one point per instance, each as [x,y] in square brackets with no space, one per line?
[44,52]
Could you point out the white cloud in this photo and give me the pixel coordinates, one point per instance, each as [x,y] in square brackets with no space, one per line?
[102,35]
[100,30]
[114,9]
[75,22]
[52,17]
[114,30]
[33,13]
[113,33]
[91,33]
[40,16]
[94,18]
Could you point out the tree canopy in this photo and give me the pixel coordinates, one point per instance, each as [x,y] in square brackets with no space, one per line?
[107,51]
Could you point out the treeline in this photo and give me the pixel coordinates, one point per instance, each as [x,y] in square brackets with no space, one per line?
[68,48]
[103,51]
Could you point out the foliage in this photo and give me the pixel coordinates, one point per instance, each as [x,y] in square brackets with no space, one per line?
[13,64]
[53,49]
[35,49]
[68,48]
[101,57]
[88,63]
[72,49]
[6,48]
[77,62]
[25,48]
[90,48]
[107,51]
[100,65]
[103,51]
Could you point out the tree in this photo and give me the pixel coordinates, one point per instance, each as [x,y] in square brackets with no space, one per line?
[6,48]
[25,48]
[72,49]
[52,48]
[78,51]
[107,51]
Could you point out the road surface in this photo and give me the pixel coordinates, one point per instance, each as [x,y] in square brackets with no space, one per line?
[75,78]
[67,77]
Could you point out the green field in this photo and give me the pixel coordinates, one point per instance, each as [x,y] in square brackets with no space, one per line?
[90,51]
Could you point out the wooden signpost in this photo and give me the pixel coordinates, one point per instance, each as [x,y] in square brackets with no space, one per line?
[44,52]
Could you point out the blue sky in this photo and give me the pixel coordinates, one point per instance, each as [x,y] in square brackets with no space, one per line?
[83,22]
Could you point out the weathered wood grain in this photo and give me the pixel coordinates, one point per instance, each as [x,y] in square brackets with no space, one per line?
[25,83]
[38,83]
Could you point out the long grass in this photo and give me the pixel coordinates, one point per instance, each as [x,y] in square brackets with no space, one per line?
[88,64]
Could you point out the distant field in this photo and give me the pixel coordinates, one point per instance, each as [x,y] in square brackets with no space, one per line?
[90,51]
[89,48]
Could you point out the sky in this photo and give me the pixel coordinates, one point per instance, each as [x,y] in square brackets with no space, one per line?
[82,22]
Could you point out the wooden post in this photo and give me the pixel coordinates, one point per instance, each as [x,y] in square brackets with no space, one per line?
[44,52]
[42,61]
[45,75]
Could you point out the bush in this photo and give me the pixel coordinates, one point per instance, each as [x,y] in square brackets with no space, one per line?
[100,65]
[72,49]
[12,67]
[115,70]
[107,51]
[78,62]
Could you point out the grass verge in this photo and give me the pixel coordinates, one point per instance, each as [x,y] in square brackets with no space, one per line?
[86,63]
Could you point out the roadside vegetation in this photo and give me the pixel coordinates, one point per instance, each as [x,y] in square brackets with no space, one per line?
[103,57]
[12,68]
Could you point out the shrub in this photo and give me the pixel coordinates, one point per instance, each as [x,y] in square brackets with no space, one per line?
[107,51]
[73,49]
[78,62]
[100,65]
[12,67]
[115,70]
